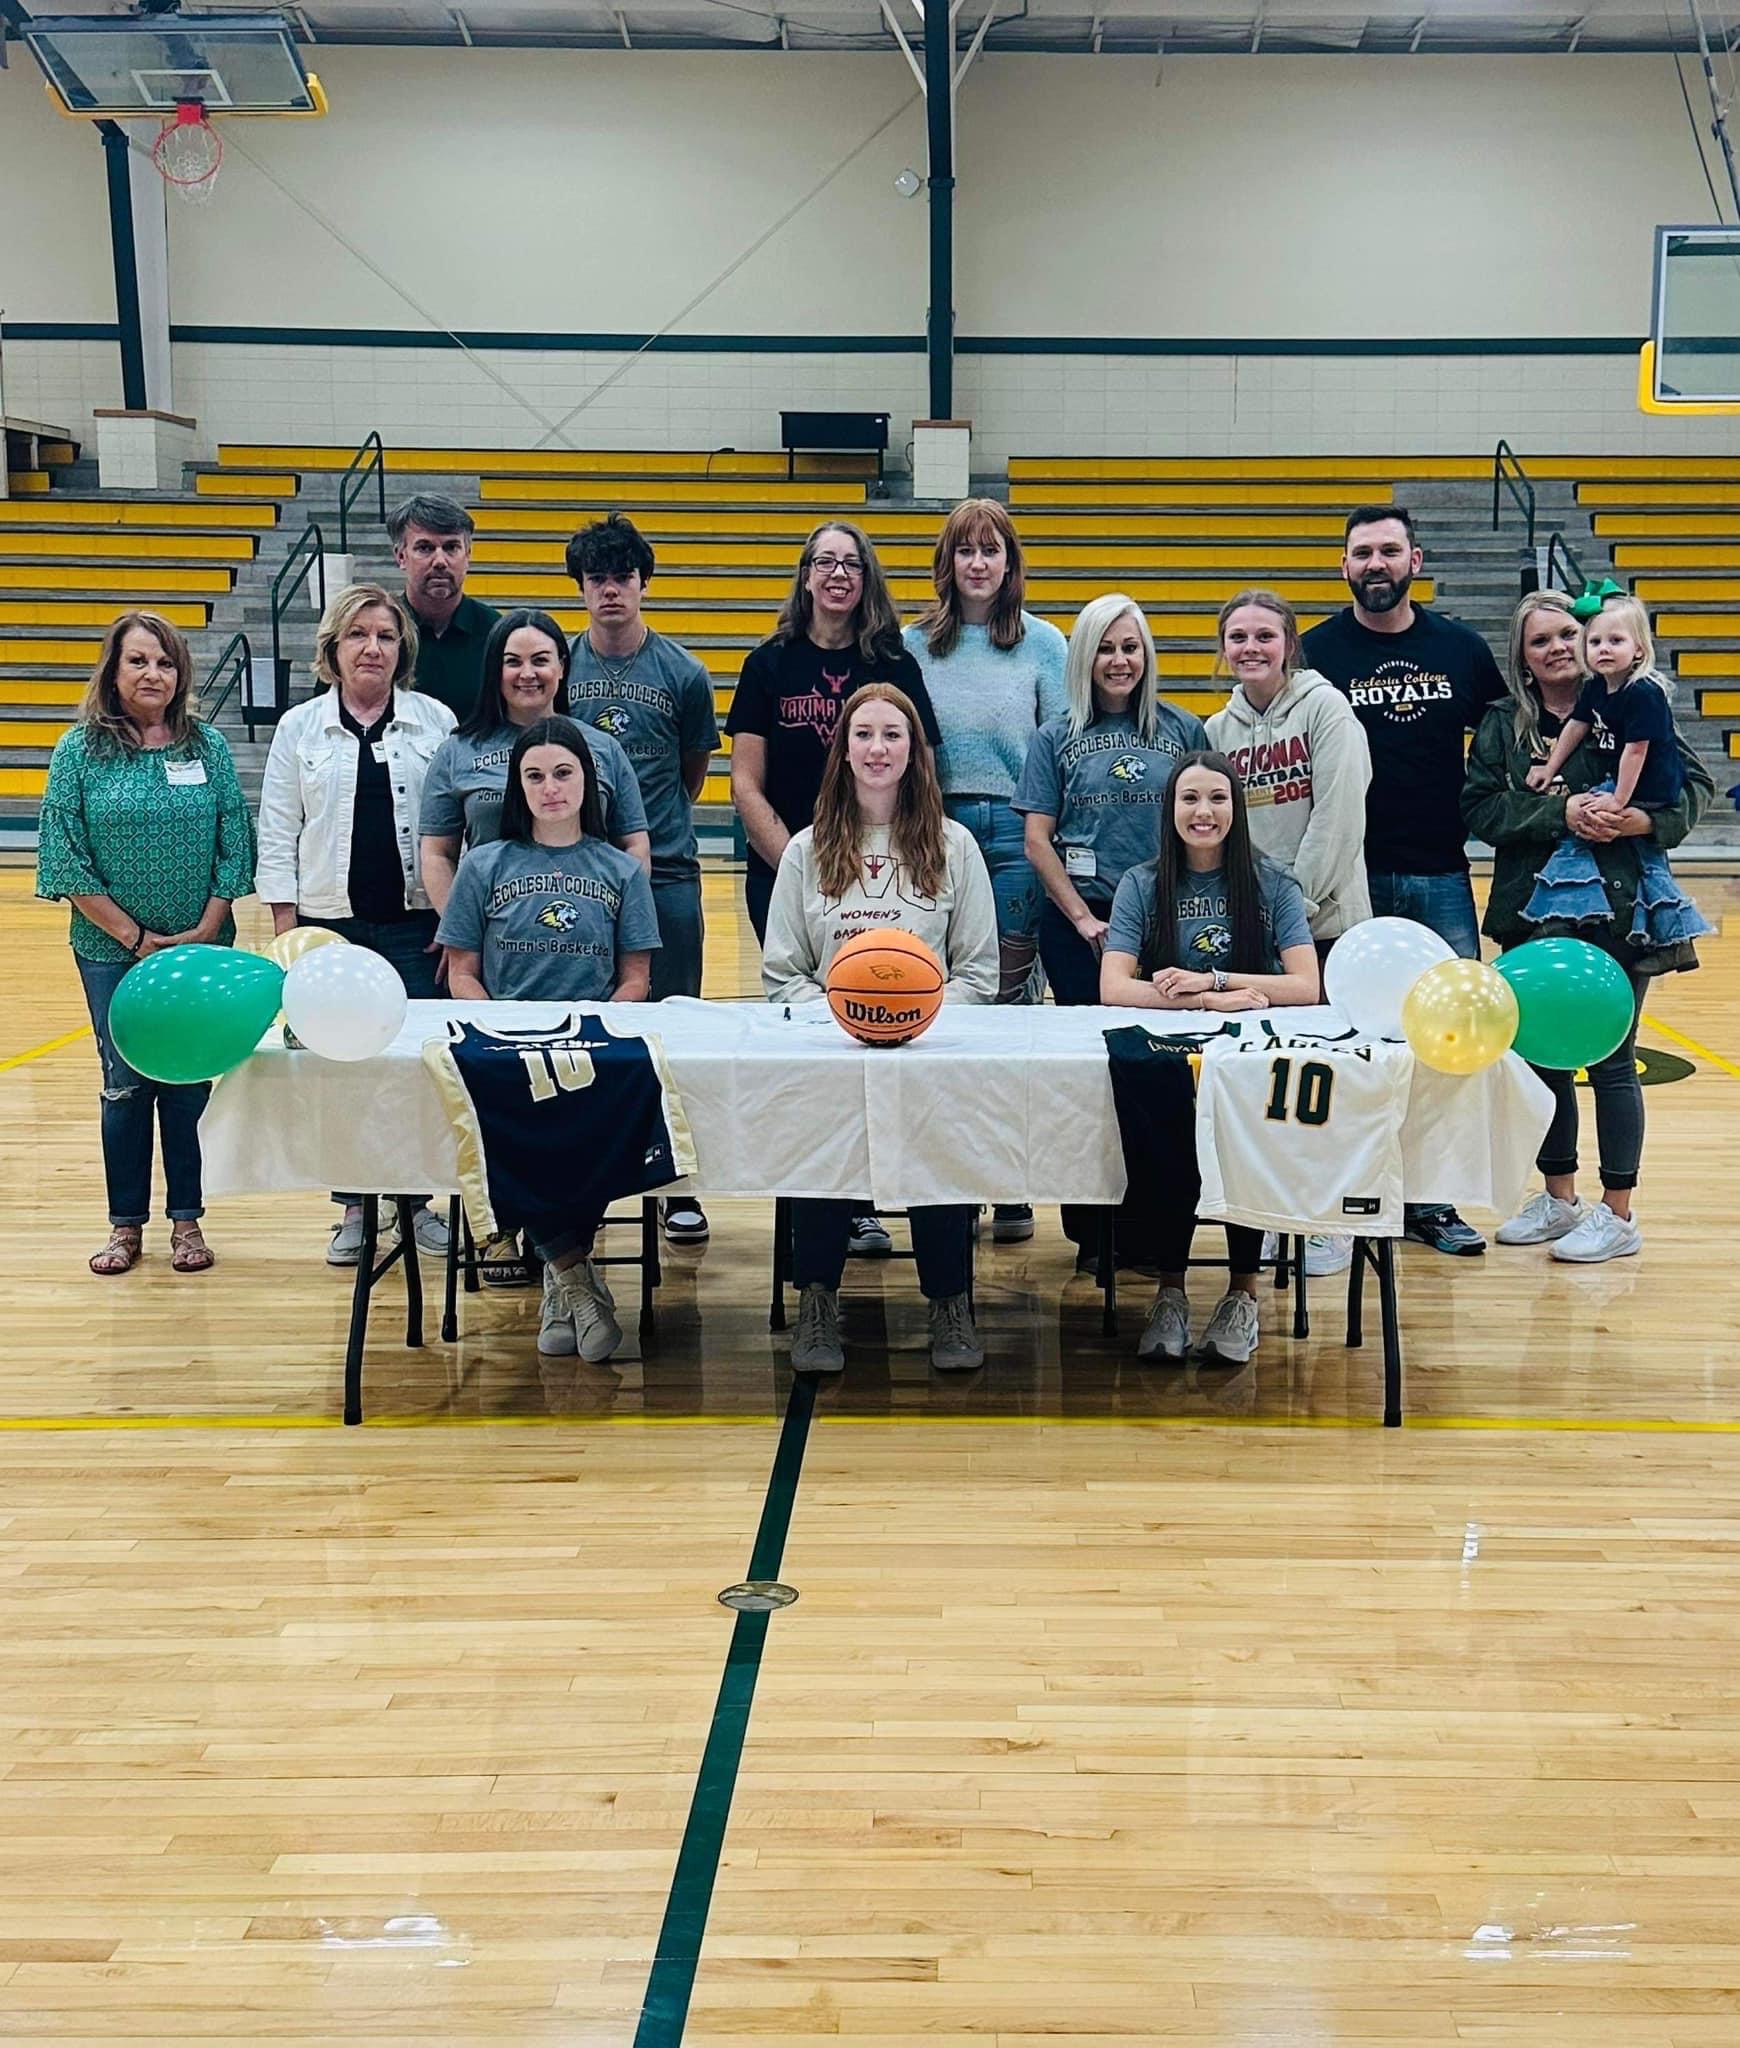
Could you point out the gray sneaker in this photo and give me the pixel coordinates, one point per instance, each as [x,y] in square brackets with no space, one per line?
[954,1341]
[556,1338]
[1231,1336]
[345,1248]
[1600,1236]
[430,1232]
[1542,1219]
[1167,1331]
[581,1291]
[1327,1252]
[816,1346]
[1011,1223]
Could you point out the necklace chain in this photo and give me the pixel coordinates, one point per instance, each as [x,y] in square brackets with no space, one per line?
[616,672]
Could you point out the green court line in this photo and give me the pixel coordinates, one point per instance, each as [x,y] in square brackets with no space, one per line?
[664,2009]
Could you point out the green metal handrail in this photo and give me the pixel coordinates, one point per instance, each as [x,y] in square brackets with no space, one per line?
[363,465]
[237,660]
[307,558]
[1515,480]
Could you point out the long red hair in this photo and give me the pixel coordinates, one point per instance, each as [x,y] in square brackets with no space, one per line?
[838,829]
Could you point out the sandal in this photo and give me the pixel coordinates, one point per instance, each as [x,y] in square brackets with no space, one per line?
[121,1253]
[189,1252]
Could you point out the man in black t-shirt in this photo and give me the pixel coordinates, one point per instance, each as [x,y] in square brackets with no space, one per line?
[1419,683]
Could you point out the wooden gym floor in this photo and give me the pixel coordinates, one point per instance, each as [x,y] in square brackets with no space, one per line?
[1116,1705]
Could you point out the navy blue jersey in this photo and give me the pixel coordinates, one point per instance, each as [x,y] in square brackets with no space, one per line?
[1154,1094]
[551,1124]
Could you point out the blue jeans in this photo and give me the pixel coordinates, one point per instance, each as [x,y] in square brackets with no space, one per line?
[1443,903]
[1000,832]
[404,945]
[1071,964]
[676,966]
[942,1239]
[129,1100]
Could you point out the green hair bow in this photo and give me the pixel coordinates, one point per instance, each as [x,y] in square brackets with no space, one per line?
[1595,595]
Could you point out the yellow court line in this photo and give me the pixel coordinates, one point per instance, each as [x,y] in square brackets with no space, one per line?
[37,1052]
[1703,1052]
[1648,1425]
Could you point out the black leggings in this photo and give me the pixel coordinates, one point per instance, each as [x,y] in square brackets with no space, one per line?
[1618,1109]
[1172,1235]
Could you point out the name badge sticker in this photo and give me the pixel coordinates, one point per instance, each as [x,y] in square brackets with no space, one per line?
[184,774]
[380,752]
[1079,861]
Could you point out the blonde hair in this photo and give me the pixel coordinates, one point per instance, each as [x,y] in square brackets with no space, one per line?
[1090,629]
[100,709]
[342,612]
[1631,614]
[971,520]
[837,832]
[1266,601]
[1526,706]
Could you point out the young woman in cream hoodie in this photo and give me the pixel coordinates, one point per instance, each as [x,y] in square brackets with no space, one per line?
[1302,758]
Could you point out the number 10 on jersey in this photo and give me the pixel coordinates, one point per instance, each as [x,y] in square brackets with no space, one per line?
[1310,1097]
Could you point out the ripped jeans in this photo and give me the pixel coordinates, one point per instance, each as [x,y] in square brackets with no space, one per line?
[129,1104]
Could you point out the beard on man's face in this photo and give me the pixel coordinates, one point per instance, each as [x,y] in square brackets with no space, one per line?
[1378,591]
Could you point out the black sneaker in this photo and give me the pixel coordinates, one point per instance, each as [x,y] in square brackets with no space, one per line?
[866,1238]
[1011,1223]
[684,1220]
[1438,1225]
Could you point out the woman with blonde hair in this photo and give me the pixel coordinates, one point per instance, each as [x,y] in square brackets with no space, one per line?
[145,832]
[995,674]
[1093,785]
[1522,825]
[339,811]
[881,852]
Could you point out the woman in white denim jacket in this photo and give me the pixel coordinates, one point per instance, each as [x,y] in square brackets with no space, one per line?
[338,815]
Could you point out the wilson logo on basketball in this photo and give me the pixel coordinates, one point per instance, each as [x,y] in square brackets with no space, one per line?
[878,1013]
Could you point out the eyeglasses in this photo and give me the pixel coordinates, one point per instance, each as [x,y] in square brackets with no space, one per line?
[827,564]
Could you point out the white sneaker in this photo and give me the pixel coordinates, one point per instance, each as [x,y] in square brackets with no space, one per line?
[1166,1334]
[1231,1336]
[556,1338]
[1601,1235]
[1271,1246]
[1328,1252]
[1542,1218]
[581,1291]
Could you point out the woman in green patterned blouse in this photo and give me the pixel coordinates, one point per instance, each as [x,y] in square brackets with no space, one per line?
[146,832]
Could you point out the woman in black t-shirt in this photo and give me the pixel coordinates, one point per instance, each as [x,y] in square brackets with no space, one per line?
[837,630]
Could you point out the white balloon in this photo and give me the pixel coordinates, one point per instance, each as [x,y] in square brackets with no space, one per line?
[1371,969]
[344,1002]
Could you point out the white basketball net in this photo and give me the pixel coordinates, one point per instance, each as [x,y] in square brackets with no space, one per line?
[188,152]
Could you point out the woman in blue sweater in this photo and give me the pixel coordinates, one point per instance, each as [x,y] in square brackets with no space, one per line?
[995,674]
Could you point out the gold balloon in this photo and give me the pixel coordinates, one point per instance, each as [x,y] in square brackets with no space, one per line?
[290,946]
[1460,1016]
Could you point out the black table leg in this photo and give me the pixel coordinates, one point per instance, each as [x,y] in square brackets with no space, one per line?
[1107,1272]
[649,1258]
[359,1311]
[781,1261]
[450,1288]
[1301,1310]
[1356,1295]
[413,1274]
[1392,1324]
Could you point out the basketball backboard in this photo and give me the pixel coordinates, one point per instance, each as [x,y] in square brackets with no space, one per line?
[120,68]
[1691,363]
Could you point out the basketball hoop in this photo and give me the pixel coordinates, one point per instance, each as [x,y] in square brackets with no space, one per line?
[188,151]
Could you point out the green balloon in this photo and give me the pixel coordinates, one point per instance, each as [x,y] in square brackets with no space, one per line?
[1575,1001]
[191,1013]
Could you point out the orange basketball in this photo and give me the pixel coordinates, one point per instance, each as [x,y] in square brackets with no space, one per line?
[885,986]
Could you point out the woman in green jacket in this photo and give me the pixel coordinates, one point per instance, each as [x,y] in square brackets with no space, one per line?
[1546,672]
[145,831]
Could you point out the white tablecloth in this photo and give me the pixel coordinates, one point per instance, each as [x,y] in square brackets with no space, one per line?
[991,1105]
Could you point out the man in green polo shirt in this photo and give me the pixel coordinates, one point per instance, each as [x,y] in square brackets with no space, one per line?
[431,539]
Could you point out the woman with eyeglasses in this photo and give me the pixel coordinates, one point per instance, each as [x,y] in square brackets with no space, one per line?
[837,631]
